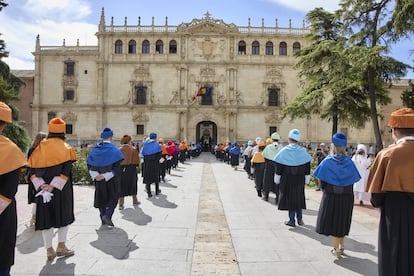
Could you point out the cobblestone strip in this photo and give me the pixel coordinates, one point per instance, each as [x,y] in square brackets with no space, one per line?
[213,248]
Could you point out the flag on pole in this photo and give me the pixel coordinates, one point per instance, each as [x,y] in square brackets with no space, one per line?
[203,91]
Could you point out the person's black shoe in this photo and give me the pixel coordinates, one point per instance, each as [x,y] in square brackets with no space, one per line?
[259,193]
[149,194]
[157,192]
[300,222]
[290,223]
[107,220]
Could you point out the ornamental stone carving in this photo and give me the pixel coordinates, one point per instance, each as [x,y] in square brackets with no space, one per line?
[139,117]
[273,118]
[69,116]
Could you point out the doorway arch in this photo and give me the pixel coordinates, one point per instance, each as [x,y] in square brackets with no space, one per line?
[206,134]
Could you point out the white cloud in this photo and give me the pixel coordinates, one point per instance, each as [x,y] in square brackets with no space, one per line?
[308,5]
[60,9]
[52,20]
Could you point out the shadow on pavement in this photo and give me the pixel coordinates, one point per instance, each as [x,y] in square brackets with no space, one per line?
[114,242]
[161,201]
[136,215]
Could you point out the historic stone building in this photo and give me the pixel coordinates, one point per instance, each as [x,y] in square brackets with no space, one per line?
[205,80]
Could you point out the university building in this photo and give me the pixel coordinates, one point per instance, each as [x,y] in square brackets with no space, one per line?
[202,81]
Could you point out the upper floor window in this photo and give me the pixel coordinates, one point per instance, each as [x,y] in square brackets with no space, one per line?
[145,47]
[269,48]
[273,93]
[296,46]
[132,47]
[159,47]
[255,48]
[140,94]
[118,47]
[242,48]
[69,95]
[283,49]
[173,47]
[69,68]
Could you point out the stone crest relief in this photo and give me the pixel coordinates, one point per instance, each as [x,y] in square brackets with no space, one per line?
[69,116]
[207,48]
[138,116]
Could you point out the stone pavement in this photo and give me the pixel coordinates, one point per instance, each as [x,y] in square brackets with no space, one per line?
[208,220]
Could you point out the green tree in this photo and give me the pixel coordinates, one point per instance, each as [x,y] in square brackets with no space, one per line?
[9,90]
[407,96]
[331,86]
[372,27]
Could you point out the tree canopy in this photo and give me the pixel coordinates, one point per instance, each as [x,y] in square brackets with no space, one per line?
[345,70]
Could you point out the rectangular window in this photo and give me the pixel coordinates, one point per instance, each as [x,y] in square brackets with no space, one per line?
[274,96]
[140,94]
[272,129]
[140,129]
[69,68]
[69,129]
[69,95]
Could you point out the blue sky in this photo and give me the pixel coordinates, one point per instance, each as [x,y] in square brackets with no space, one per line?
[55,20]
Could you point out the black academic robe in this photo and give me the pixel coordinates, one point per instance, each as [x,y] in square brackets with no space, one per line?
[151,168]
[107,192]
[395,239]
[8,219]
[292,186]
[59,211]
[335,210]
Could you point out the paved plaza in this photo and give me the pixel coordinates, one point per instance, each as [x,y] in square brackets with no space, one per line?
[207,220]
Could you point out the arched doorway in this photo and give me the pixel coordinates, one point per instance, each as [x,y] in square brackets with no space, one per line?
[206,134]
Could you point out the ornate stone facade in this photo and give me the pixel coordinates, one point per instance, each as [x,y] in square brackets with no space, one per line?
[140,79]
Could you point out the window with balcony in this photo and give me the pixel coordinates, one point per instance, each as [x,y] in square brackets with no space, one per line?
[118,47]
[173,47]
[255,48]
[132,47]
[269,48]
[296,46]
[241,48]
[69,68]
[145,47]
[273,94]
[282,49]
[159,47]
[140,94]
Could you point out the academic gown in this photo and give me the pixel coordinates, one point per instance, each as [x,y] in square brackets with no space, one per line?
[129,174]
[11,160]
[103,158]
[292,164]
[391,185]
[337,174]
[53,157]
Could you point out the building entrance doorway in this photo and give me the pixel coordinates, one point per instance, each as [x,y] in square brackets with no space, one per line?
[206,134]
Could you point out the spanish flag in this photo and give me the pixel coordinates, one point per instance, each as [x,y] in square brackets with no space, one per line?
[203,91]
